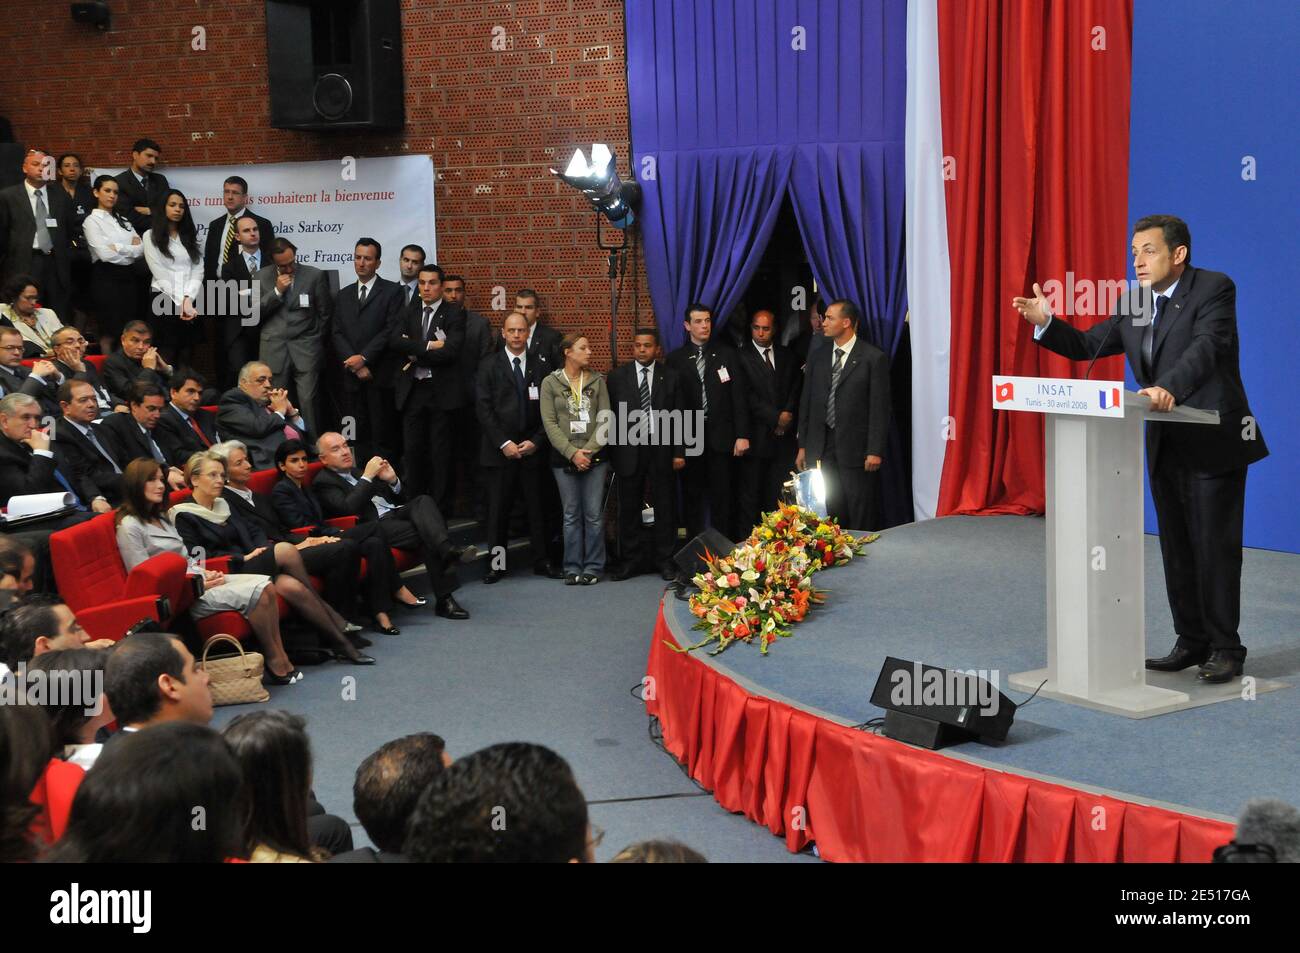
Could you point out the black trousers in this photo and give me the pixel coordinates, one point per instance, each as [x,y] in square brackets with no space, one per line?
[466,477]
[851,491]
[337,565]
[505,484]
[708,491]
[655,481]
[174,338]
[426,434]
[53,294]
[381,579]
[113,293]
[1200,522]
[419,525]
[761,479]
[371,408]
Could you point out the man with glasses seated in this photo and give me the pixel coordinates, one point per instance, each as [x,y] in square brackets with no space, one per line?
[41,381]
[70,361]
[259,416]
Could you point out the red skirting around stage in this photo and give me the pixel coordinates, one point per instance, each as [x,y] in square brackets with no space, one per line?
[862,797]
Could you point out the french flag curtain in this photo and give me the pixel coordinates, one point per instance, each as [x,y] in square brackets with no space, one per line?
[1017,171]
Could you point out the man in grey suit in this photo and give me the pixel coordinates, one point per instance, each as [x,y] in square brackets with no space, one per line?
[259,416]
[34,233]
[295,313]
[844,417]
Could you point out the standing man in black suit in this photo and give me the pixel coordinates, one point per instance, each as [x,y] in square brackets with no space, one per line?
[184,427]
[543,340]
[141,188]
[712,385]
[70,361]
[844,417]
[465,427]
[363,312]
[654,458]
[81,453]
[35,230]
[409,264]
[405,520]
[774,382]
[41,381]
[239,340]
[1183,349]
[136,360]
[221,246]
[428,337]
[512,449]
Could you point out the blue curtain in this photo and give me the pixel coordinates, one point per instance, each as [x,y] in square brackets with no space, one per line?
[736,104]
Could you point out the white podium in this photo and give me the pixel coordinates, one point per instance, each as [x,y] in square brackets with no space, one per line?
[1096,643]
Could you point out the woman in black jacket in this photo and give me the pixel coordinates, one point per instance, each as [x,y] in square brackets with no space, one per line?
[206,523]
[298,507]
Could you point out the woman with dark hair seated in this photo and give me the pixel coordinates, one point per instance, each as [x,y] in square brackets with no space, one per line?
[143,530]
[296,506]
[273,749]
[206,523]
[141,803]
[24,753]
[21,309]
[74,719]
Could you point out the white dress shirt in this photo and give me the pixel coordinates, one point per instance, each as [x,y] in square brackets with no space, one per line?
[368,285]
[177,277]
[110,240]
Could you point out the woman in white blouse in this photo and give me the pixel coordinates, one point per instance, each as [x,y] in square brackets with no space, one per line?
[143,530]
[114,249]
[21,309]
[171,247]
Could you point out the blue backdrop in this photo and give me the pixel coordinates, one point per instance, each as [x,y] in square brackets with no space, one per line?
[1214,83]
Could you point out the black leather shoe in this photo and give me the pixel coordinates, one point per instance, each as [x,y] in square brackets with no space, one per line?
[462,555]
[547,569]
[388,629]
[1221,667]
[493,575]
[449,608]
[270,678]
[1177,660]
[358,659]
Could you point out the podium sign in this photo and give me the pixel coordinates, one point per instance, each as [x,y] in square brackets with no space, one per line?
[1096,641]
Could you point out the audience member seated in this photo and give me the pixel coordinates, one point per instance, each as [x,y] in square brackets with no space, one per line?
[458,818]
[294,505]
[259,415]
[207,524]
[82,449]
[41,380]
[273,749]
[139,804]
[658,852]
[28,465]
[130,436]
[70,361]
[375,494]
[387,788]
[24,752]
[136,360]
[185,427]
[38,624]
[21,309]
[17,569]
[77,717]
[144,530]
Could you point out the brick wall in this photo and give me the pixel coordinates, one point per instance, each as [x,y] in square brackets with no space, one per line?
[493,121]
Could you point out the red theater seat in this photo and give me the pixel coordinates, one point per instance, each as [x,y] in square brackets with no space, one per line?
[107,600]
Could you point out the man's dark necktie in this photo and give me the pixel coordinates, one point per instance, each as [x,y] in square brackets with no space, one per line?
[1149,337]
[361,296]
[644,389]
[704,384]
[520,391]
[836,364]
[767,356]
[428,312]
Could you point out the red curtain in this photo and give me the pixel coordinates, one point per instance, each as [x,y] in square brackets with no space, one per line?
[1035,102]
[861,797]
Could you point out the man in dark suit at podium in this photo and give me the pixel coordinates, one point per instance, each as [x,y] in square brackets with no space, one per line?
[844,416]
[1183,349]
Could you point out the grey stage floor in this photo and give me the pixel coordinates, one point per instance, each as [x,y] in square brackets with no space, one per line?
[968,592]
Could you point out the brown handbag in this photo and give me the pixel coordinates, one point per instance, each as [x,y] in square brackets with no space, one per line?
[234,679]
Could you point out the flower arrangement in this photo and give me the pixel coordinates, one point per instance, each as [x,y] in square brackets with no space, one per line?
[764,586]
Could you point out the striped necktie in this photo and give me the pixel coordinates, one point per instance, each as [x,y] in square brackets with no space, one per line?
[835,382]
[230,241]
[704,385]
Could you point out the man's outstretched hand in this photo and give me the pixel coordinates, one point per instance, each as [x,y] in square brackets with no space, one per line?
[1034,310]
